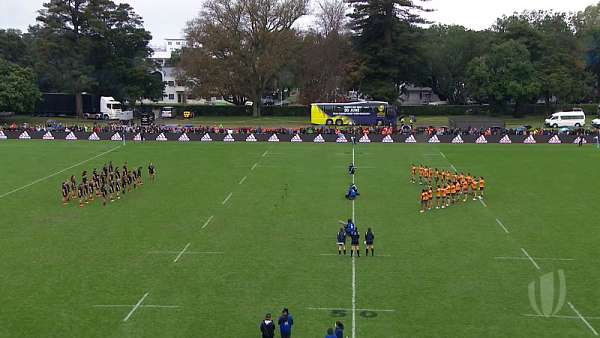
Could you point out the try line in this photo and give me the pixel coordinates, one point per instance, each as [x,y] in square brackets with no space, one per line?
[58,172]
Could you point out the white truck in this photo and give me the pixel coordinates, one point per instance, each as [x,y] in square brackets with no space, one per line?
[110,109]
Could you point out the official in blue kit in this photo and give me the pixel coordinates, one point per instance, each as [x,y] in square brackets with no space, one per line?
[285,323]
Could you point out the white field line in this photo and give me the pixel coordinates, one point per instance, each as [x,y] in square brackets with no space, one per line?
[227,198]
[254,166]
[166,252]
[353,264]
[444,156]
[207,221]
[583,319]
[482,202]
[162,306]
[135,307]
[536,258]
[558,316]
[453,167]
[502,225]
[265,153]
[531,259]
[334,308]
[58,172]
[243,179]
[181,253]
[148,305]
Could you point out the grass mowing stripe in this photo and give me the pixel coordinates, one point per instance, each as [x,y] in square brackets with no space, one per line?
[531,259]
[135,307]
[583,319]
[58,172]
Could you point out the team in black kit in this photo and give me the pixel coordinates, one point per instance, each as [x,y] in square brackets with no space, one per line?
[110,183]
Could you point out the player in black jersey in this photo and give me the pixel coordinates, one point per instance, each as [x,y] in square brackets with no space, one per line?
[151,171]
[65,193]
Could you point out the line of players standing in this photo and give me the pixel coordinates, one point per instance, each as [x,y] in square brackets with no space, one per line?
[110,184]
[449,187]
[350,230]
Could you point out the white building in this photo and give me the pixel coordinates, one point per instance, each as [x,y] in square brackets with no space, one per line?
[173,93]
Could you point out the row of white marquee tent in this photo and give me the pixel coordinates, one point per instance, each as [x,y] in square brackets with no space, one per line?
[318,139]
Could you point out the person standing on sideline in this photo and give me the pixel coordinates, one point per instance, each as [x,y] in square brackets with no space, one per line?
[285,323]
[369,239]
[330,333]
[339,329]
[267,327]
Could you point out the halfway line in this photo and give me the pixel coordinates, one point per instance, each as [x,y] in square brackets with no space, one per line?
[58,172]
[135,307]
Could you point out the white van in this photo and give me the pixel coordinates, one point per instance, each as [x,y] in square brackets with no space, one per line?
[574,118]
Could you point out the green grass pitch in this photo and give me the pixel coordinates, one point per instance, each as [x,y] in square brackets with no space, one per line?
[274,211]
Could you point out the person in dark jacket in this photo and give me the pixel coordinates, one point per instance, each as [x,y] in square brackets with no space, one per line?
[369,240]
[339,329]
[330,333]
[267,327]
[285,323]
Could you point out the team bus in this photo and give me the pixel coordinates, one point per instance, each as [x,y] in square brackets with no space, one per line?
[365,113]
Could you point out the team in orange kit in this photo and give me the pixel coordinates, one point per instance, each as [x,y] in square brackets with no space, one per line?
[446,187]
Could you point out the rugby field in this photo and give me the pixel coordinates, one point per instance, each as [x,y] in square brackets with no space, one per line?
[229,232]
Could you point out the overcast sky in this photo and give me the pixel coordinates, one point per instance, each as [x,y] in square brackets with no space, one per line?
[166,18]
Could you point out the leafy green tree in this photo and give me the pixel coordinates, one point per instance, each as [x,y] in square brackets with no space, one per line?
[15,47]
[386,39]
[447,50]
[504,75]
[18,88]
[555,52]
[93,45]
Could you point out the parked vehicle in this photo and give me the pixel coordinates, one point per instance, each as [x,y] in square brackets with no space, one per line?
[596,123]
[574,118]
[94,107]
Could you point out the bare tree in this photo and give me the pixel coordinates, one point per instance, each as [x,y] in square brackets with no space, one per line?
[238,47]
[331,17]
[325,55]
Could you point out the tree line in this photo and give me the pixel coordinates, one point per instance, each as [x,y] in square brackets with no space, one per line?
[241,49]
[77,46]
